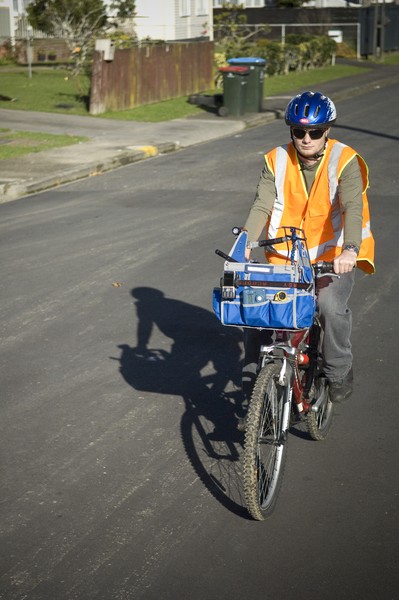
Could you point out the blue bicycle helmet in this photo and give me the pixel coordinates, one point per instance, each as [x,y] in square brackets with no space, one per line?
[310,109]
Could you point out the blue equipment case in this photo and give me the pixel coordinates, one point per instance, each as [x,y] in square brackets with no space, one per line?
[266,296]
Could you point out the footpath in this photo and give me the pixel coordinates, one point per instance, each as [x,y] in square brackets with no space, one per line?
[115,143]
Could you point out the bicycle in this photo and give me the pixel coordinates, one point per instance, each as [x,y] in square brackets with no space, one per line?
[290,383]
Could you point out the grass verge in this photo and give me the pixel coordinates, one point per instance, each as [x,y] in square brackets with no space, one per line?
[17,143]
[391,59]
[48,90]
[280,84]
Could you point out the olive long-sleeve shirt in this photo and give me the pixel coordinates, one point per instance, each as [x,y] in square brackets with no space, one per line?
[350,194]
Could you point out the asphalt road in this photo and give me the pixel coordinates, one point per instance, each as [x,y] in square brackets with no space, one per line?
[120,459]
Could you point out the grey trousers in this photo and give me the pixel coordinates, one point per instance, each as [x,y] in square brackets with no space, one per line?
[336,321]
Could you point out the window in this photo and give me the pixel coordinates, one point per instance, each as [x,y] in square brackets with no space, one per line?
[185,8]
[201,7]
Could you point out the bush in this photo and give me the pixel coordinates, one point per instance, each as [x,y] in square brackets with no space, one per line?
[346,50]
[272,52]
[7,54]
[122,39]
[300,52]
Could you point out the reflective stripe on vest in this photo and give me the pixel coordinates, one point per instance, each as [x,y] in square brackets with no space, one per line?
[279,176]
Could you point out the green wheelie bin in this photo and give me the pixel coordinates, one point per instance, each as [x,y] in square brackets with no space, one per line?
[256,76]
[234,90]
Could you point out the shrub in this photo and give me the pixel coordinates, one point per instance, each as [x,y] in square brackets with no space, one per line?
[7,54]
[300,52]
[346,50]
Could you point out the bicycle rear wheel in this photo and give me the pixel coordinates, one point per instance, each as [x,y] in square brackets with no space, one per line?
[265,443]
[319,422]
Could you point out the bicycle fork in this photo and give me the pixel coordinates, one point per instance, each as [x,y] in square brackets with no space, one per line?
[289,378]
[285,380]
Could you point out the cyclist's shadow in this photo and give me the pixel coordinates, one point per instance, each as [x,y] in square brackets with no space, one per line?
[212,398]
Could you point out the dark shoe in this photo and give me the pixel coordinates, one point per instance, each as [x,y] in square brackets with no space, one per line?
[342,389]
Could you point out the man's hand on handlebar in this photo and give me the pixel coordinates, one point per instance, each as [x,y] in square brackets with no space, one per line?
[345,262]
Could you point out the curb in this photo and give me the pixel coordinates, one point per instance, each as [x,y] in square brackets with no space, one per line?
[15,189]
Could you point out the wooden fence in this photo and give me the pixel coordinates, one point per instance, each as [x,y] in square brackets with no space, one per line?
[138,76]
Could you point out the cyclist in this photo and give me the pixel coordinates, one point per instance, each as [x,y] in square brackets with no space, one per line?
[319,185]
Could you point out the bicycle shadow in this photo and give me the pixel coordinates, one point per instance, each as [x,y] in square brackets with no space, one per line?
[203,367]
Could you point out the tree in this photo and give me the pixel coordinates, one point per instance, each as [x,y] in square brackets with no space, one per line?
[124,9]
[122,24]
[232,32]
[77,22]
[46,15]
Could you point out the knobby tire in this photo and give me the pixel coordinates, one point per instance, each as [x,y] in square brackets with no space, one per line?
[264,452]
[319,423]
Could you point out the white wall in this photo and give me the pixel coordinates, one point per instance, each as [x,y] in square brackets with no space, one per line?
[7,19]
[9,14]
[174,19]
[193,19]
[155,19]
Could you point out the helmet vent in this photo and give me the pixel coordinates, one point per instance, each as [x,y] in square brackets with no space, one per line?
[316,112]
[306,111]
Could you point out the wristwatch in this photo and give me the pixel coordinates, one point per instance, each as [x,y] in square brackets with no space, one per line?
[351,247]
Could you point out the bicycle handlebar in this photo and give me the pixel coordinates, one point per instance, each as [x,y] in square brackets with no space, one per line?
[225,256]
[271,242]
[262,243]
[320,268]
[323,267]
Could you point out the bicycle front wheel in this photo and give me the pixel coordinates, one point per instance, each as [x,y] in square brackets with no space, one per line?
[265,443]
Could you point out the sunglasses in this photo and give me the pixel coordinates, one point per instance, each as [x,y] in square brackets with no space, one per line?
[314,134]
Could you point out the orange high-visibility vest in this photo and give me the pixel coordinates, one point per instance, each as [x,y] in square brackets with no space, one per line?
[319,213]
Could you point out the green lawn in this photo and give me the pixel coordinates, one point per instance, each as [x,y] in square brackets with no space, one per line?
[53,90]
[280,84]
[49,90]
[391,59]
[18,143]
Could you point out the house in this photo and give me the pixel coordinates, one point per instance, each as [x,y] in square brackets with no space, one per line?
[9,11]
[172,20]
